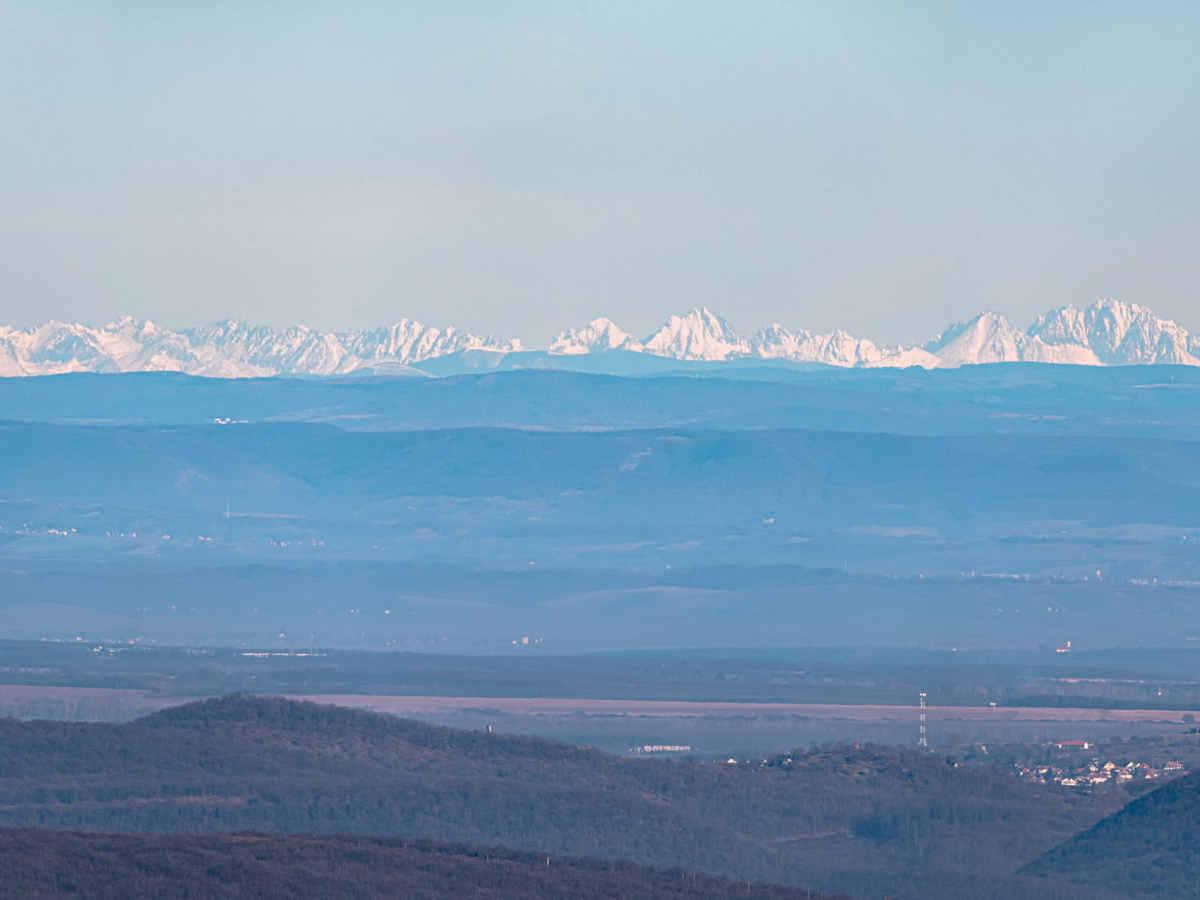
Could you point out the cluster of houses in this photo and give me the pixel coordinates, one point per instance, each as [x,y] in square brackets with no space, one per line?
[1097,772]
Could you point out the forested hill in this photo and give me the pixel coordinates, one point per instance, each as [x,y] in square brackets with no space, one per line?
[1151,848]
[37,864]
[843,820]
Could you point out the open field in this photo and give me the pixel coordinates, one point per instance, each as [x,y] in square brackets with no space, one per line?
[718,703]
[401,705]
[713,729]
[84,704]
[14,696]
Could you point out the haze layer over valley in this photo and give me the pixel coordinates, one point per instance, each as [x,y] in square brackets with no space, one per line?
[1016,506]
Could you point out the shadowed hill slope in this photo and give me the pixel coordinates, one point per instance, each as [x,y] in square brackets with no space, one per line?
[1151,848]
[37,864]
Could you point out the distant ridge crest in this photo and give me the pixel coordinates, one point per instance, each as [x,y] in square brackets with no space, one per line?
[1107,333]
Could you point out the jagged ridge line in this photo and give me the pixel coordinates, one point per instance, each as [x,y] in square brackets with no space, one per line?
[1108,332]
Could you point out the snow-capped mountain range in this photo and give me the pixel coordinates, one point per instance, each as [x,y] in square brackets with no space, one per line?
[1106,333]
[230,349]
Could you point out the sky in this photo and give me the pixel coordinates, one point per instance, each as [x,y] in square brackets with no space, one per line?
[521,168]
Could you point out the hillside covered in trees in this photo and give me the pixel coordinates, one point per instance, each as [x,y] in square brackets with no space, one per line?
[850,820]
[37,864]
[1151,848]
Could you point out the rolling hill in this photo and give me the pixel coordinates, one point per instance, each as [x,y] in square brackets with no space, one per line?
[1149,849]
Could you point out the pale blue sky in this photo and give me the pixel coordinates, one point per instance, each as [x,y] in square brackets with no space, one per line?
[521,168]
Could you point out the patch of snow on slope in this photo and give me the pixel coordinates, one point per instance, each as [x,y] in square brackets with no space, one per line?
[905,358]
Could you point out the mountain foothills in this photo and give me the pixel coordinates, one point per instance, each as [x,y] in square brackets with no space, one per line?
[845,819]
[1108,333]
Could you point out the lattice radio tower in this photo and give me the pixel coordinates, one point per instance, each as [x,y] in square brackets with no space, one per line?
[921,742]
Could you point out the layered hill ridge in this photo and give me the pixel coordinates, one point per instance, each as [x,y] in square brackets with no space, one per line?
[1107,333]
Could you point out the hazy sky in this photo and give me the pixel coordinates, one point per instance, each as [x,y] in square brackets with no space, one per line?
[519,168]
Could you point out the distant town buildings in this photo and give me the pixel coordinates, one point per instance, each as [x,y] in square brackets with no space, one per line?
[1094,772]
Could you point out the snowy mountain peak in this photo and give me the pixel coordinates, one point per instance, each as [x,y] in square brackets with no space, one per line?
[1117,333]
[699,335]
[987,338]
[595,337]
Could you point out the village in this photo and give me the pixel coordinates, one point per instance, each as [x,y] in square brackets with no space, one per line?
[1072,772]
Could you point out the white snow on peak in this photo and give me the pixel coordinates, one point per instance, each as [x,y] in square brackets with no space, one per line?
[699,335]
[1117,334]
[597,336]
[988,338]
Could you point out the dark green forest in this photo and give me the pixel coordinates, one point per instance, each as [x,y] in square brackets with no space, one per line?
[868,821]
[36,864]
